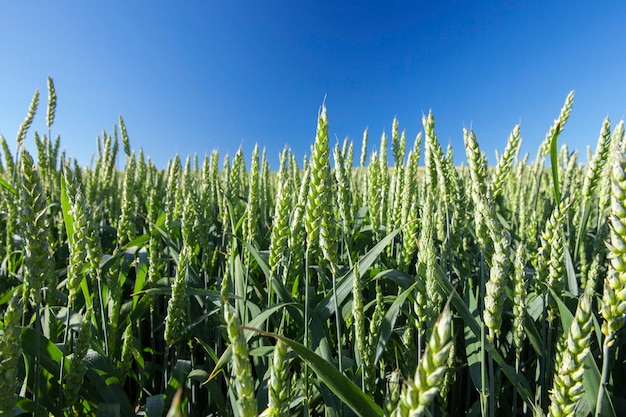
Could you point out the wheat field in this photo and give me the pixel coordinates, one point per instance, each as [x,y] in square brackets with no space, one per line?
[405,286]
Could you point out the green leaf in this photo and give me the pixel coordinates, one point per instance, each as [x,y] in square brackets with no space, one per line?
[179,375]
[259,319]
[570,271]
[339,384]
[227,354]
[9,187]
[277,285]
[104,384]
[155,405]
[326,306]
[28,405]
[220,363]
[473,347]
[108,410]
[402,279]
[582,227]
[475,325]
[138,241]
[49,355]
[208,349]
[389,321]
[320,336]
[67,217]
[532,334]
[140,279]
[212,295]
[554,160]
[69,228]
[198,375]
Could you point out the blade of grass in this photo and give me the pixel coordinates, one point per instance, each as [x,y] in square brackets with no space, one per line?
[254,323]
[326,307]
[278,287]
[473,343]
[338,383]
[104,384]
[475,325]
[569,269]
[140,278]
[67,217]
[179,376]
[389,321]
[8,187]
[554,158]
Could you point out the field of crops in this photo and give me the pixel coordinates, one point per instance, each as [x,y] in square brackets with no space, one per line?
[403,287]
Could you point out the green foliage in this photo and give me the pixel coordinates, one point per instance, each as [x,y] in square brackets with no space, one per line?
[313,291]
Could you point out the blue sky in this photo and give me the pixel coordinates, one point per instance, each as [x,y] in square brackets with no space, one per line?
[192,76]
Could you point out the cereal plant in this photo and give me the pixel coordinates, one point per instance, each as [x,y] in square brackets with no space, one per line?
[399,287]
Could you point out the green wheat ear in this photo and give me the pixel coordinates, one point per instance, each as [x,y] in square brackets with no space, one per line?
[567,388]
[178,307]
[253,203]
[392,394]
[559,123]
[595,168]
[279,382]
[78,366]
[495,293]
[505,163]
[33,205]
[519,300]
[126,228]
[319,185]
[242,372]
[374,191]
[52,103]
[363,157]
[359,320]
[343,189]
[614,297]
[32,109]
[369,355]
[8,157]
[10,353]
[125,139]
[418,394]
[78,245]
[278,250]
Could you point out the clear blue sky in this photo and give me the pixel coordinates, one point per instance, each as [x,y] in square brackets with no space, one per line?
[192,76]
